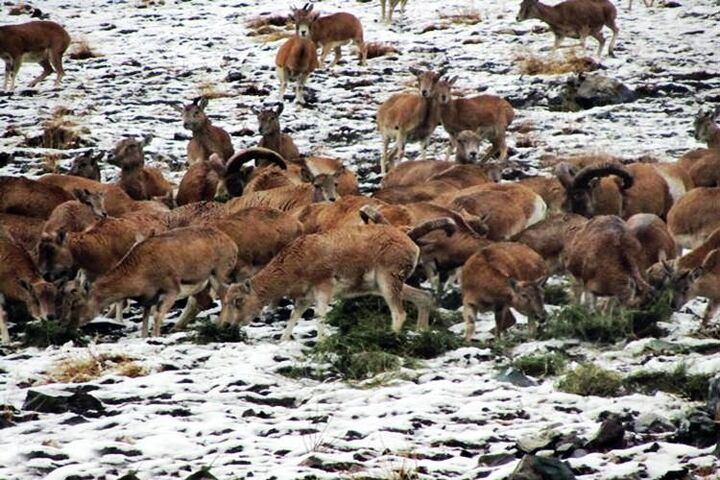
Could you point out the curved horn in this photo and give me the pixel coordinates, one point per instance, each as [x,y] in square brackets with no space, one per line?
[369,214]
[235,163]
[565,172]
[584,176]
[445,223]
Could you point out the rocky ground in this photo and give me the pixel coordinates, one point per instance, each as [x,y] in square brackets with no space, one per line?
[460,415]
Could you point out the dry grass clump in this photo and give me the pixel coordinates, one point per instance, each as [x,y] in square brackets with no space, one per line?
[275,20]
[531,64]
[81,50]
[269,28]
[379,49]
[50,163]
[149,3]
[580,160]
[210,91]
[270,34]
[465,16]
[60,131]
[88,367]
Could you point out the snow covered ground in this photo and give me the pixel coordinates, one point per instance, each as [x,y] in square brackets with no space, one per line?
[226,405]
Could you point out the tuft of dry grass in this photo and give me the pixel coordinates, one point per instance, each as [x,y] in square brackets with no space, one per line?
[210,91]
[81,50]
[267,20]
[379,49]
[269,34]
[531,64]
[60,131]
[90,366]
[50,163]
[464,16]
[149,3]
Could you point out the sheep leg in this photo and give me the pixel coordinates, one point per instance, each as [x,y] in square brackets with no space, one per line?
[384,156]
[601,42]
[488,154]
[300,307]
[452,145]
[4,332]
[299,88]
[324,53]
[188,314]
[558,41]
[163,310]
[710,312]
[362,51]
[382,10]
[47,70]
[56,62]
[504,319]
[8,74]
[282,77]
[613,39]
[338,55]
[145,330]
[469,315]
[15,68]
[422,300]
[423,148]
[322,304]
[391,288]
[399,149]
[433,277]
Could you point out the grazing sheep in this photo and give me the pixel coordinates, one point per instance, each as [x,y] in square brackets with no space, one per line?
[575,19]
[40,41]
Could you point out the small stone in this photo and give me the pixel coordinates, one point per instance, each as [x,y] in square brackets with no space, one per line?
[532,467]
[610,436]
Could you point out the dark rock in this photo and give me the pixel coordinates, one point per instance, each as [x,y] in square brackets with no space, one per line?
[670,4]
[713,401]
[5,159]
[697,429]
[320,464]
[515,377]
[495,459]
[532,467]
[129,476]
[234,77]
[650,422]
[287,402]
[679,473]
[202,474]
[79,402]
[610,436]
[588,91]
[119,451]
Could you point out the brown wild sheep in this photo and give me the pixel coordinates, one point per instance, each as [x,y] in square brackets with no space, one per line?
[295,60]
[550,237]
[272,136]
[117,201]
[695,216]
[238,175]
[20,280]
[201,181]
[487,115]
[703,164]
[164,268]
[77,215]
[351,261]
[25,230]
[653,234]
[40,41]
[706,130]
[409,117]
[575,19]
[606,260]
[501,276]
[86,165]
[139,181]
[330,32]
[206,137]
[22,196]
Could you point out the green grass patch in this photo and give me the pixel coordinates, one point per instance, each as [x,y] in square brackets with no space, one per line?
[677,381]
[541,364]
[588,379]
[365,346]
[577,321]
[45,333]
[556,295]
[205,331]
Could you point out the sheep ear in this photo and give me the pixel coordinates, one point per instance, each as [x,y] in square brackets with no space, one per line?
[255,109]
[246,287]
[178,108]
[146,139]
[202,103]
[280,107]
[306,175]
[415,71]
[339,171]
[452,81]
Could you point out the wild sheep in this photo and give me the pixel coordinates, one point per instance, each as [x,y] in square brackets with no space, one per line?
[201,181]
[351,261]
[323,216]
[550,237]
[501,276]
[77,215]
[295,60]
[139,181]
[575,19]
[86,165]
[40,41]
[164,268]
[25,230]
[330,32]
[703,164]
[654,237]
[420,171]
[320,188]
[409,117]
[391,9]
[695,216]
[20,280]
[606,260]
[206,137]
[487,115]
[347,182]
[22,196]
[272,136]
[507,208]
[238,175]
[117,201]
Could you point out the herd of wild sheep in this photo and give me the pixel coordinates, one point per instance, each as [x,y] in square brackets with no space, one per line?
[296,226]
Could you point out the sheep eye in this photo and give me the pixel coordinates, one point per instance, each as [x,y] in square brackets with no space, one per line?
[238,302]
